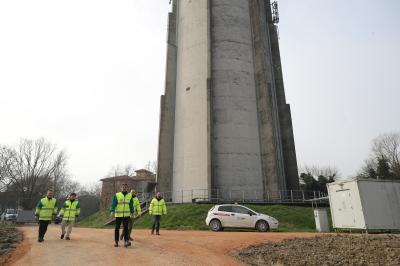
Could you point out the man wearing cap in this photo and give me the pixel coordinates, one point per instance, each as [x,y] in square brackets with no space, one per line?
[122,209]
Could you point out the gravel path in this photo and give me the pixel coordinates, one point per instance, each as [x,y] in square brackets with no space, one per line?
[341,249]
[95,247]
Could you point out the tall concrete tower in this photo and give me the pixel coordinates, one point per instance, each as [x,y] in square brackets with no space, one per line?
[225,126]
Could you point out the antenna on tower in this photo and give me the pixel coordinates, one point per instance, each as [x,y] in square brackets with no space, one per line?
[275,12]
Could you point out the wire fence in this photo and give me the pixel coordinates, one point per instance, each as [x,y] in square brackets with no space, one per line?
[238,195]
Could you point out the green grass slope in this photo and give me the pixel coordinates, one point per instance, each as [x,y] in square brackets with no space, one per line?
[96,220]
[192,217]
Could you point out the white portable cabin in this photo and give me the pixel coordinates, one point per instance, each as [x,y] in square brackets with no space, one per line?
[365,204]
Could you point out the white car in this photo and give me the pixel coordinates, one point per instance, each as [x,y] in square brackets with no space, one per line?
[238,216]
[11,215]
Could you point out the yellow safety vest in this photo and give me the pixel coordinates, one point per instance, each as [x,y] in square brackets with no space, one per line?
[70,210]
[122,209]
[157,207]
[47,210]
[136,206]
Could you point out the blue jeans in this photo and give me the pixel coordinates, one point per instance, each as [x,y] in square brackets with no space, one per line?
[156,223]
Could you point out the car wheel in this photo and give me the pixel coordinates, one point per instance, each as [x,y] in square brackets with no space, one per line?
[215,225]
[262,226]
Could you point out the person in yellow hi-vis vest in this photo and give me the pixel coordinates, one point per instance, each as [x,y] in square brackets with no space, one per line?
[122,210]
[157,209]
[137,211]
[46,209]
[69,213]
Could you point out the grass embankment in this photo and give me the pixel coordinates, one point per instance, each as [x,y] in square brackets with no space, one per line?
[192,217]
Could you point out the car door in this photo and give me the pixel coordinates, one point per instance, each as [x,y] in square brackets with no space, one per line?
[226,215]
[242,217]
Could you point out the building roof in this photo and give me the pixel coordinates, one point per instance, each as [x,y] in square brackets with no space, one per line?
[149,177]
[118,178]
[144,170]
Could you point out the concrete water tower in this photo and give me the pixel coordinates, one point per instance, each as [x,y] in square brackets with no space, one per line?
[224,124]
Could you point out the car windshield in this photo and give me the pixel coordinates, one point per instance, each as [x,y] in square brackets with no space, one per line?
[10,211]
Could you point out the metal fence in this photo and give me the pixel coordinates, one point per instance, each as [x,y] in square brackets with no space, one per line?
[238,195]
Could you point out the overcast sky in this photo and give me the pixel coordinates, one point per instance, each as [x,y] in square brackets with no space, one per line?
[87,75]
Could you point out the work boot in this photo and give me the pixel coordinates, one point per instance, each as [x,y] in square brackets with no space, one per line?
[152,232]
[62,236]
[116,244]
[127,244]
[40,240]
[158,233]
[67,238]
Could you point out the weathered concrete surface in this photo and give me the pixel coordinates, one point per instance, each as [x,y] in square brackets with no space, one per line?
[95,247]
[191,160]
[285,118]
[167,111]
[228,115]
[269,141]
[236,146]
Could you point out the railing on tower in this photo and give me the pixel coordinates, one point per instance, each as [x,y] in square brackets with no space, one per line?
[235,195]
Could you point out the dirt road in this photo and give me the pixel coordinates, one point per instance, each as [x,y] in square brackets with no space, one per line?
[95,247]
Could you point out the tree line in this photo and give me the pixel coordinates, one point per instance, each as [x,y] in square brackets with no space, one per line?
[383,163]
[32,167]
[384,159]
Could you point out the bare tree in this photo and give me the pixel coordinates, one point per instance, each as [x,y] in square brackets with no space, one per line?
[119,170]
[316,178]
[151,166]
[316,171]
[5,160]
[387,146]
[129,170]
[369,169]
[32,168]
[385,150]
[66,186]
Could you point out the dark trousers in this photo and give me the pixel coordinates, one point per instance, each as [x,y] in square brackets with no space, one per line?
[43,228]
[156,223]
[125,224]
[130,227]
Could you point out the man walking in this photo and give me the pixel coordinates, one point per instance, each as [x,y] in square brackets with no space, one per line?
[69,213]
[157,209]
[122,209]
[137,211]
[46,209]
